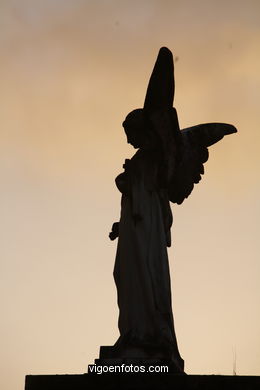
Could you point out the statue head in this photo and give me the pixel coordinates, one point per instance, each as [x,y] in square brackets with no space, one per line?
[137,129]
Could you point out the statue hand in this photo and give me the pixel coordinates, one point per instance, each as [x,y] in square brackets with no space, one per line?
[114,231]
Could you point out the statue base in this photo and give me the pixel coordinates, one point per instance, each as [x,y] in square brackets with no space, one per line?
[135,360]
[141,382]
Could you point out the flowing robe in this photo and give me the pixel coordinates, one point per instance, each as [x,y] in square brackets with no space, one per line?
[141,269]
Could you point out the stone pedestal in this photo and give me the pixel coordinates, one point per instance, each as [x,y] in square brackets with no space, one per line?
[137,359]
[141,382]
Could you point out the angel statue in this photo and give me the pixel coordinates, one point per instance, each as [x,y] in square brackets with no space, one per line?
[167,164]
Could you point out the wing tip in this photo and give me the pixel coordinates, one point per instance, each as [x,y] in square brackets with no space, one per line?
[165,49]
[230,129]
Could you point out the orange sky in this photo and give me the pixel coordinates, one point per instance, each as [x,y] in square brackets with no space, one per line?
[71,71]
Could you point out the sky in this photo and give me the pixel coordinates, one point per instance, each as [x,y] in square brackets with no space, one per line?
[71,70]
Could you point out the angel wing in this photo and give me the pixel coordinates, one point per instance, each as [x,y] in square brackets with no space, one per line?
[160,90]
[194,145]
[185,150]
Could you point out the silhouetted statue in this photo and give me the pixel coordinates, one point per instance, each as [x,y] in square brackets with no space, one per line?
[167,164]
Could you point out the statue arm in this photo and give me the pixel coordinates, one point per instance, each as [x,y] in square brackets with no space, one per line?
[135,200]
[130,184]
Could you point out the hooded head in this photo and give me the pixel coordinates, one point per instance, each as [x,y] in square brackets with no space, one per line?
[137,128]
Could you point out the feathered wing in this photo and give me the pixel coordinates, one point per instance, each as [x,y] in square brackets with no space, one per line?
[160,90]
[194,153]
[185,151]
